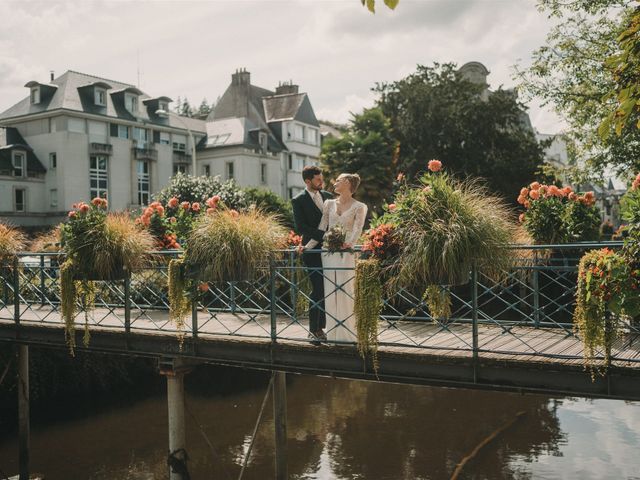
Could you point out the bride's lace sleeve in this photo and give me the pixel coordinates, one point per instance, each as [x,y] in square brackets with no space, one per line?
[324,224]
[358,224]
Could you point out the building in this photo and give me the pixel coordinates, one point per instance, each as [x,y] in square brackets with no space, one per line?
[260,137]
[80,136]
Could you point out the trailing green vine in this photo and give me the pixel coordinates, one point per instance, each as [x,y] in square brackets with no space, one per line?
[179,301]
[73,291]
[367,307]
[438,300]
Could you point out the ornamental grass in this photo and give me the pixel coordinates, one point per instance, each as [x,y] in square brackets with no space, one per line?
[50,241]
[227,245]
[12,241]
[447,225]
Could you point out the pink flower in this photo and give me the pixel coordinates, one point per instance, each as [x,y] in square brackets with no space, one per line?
[211,210]
[534,194]
[573,196]
[195,206]
[173,202]
[84,208]
[554,191]
[392,207]
[522,199]
[160,209]
[524,192]
[434,165]
[96,202]
[636,183]
[72,214]
[521,218]
[185,205]
[400,177]
[173,220]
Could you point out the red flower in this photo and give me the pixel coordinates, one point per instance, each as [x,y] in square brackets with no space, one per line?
[434,165]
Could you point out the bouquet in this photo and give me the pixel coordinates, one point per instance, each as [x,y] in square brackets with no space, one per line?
[335,238]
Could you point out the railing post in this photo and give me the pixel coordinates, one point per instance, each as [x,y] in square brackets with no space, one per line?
[272,298]
[293,286]
[232,297]
[127,304]
[474,316]
[23,411]
[42,281]
[536,291]
[194,313]
[16,291]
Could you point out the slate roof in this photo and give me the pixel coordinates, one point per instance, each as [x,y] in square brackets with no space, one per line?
[10,140]
[73,91]
[278,108]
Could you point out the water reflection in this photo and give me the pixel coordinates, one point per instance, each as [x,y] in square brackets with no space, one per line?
[341,429]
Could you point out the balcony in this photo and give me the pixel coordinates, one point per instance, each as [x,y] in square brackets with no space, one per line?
[100,148]
[181,157]
[145,153]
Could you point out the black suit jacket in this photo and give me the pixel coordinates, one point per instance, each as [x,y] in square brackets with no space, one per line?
[306,216]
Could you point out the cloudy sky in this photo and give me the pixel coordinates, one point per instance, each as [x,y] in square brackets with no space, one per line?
[334,49]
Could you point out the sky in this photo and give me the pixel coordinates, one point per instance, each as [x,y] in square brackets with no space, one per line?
[335,50]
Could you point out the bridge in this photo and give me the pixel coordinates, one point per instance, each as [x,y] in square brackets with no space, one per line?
[516,335]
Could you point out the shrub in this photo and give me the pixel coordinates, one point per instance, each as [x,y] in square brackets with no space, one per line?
[12,241]
[270,202]
[198,189]
[50,241]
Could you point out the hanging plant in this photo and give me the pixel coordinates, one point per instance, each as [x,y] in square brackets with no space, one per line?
[367,307]
[298,277]
[438,300]
[98,246]
[179,303]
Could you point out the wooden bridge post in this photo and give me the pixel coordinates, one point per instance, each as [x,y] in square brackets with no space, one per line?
[177,459]
[280,423]
[23,412]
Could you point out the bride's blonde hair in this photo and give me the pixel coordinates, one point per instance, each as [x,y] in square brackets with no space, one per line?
[353,179]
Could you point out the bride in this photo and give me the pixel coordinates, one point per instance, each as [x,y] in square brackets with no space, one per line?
[338,267]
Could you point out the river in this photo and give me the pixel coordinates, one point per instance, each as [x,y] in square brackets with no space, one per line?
[342,429]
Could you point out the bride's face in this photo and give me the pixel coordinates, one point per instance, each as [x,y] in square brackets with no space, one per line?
[341,186]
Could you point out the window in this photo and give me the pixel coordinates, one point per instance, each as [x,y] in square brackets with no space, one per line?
[35,95]
[20,200]
[312,136]
[19,160]
[140,136]
[296,162]
[165,138]
[293,191]
[53,161]
[263,173]
[228,169]
[100,97]
[206,170]
[123,131]
[179,168]
[262,139]
[53,197]
[143,182]
[131,103]
[299,131]
[98,176]
[179,143]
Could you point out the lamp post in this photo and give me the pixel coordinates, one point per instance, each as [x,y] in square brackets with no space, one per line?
[165,114]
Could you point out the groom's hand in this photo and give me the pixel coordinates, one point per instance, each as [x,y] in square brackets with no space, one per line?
[300,248]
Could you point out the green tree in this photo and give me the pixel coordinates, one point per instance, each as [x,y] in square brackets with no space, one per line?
[204,108]
[437,114]
[570,74]
[366,148]
[270,202]
[371,4]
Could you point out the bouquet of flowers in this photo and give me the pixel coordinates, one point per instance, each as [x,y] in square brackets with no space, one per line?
[335,238]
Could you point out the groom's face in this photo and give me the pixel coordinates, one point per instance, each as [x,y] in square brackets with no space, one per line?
[316,183]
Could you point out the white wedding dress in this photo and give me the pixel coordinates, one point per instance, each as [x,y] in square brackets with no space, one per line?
[339,271]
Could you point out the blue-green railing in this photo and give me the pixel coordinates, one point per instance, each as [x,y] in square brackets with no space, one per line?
[527,314]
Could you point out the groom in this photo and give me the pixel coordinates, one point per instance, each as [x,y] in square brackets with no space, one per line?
[307,212]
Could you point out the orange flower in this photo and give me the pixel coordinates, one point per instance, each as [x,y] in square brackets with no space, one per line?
[185,205]
[567,191]
[636,183]
[534,194]
[195,206]
[160,209]
[234,213]
[526,204]
[400,177]
[573,196]
[203,287]
[392,207]
[96,202]
[535,185]
[524,192]
[173,220]
[434,165]
[72,214]
[521,199]
[521,218]
[554,191]
[211,210]
[84,208]
[173,202]
[542,189]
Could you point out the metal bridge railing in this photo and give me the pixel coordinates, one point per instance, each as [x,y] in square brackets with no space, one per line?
[527,314]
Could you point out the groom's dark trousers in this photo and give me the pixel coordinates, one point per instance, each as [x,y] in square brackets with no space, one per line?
[306,216]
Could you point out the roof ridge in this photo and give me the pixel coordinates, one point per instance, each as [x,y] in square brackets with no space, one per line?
[99,78]
[284,94]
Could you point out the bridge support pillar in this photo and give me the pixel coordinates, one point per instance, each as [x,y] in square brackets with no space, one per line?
[175,371]
[280,423]
[23,412]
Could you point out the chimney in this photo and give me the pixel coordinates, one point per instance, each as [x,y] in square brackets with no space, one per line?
[241,77]
[285,88]
[52,74]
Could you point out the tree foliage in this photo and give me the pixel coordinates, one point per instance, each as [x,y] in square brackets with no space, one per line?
[569,73]
[437,114]
[371,4]
[366,148]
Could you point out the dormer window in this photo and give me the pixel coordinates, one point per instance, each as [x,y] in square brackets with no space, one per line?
[131,103]
[35,95]
[164,106]
[19,161]
[100,97]
[262,139]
